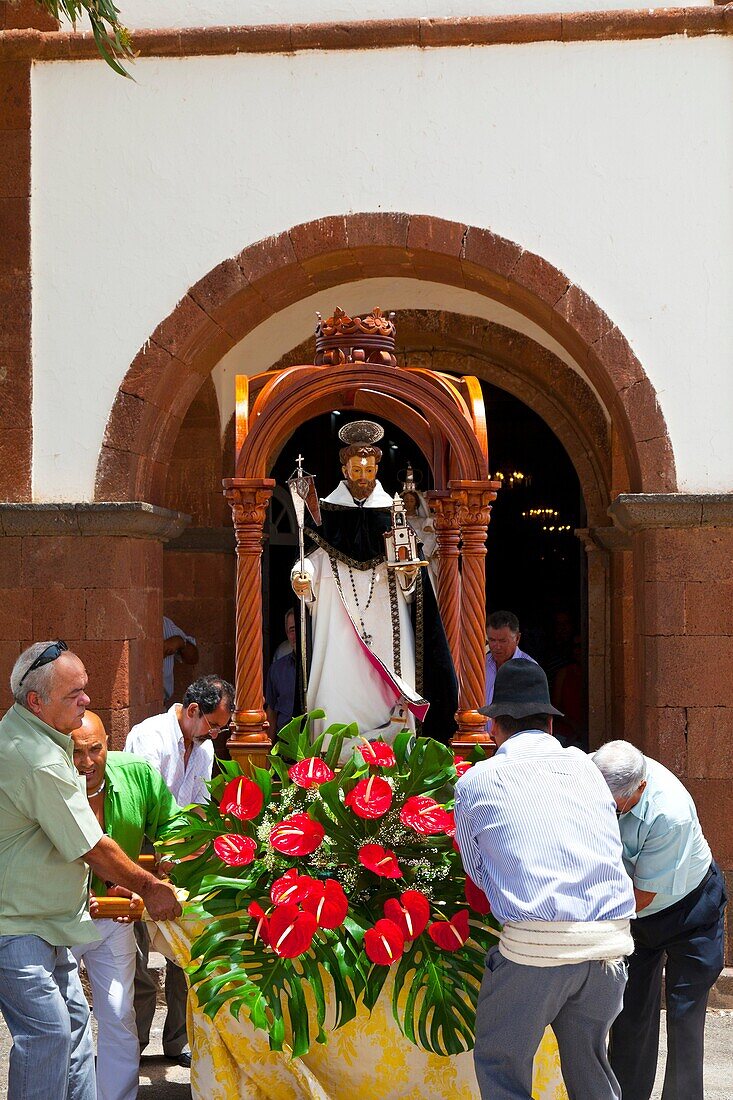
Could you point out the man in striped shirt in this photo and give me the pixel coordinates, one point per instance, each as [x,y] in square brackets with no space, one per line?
[538,833]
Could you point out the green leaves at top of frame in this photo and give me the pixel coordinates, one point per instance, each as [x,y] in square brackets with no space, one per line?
[112,38]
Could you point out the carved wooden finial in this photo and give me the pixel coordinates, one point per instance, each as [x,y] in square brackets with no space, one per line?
[344,339]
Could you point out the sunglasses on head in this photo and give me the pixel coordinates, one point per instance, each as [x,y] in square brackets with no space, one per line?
[50,653]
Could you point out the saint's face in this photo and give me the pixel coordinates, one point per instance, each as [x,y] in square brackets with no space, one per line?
[360,473]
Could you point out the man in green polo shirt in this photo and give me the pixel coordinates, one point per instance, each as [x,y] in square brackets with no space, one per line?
[131,802]
[49,838]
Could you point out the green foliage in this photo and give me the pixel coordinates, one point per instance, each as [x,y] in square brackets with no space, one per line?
[297,1000]
[112,38]
[440,990]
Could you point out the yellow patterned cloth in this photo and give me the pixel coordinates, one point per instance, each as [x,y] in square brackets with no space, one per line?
[367,1059]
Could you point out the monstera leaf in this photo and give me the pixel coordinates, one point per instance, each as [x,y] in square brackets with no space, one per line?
[435,993]
[235,969]
[276,955]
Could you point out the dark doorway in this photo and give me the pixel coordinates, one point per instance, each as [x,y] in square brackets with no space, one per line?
[535,562]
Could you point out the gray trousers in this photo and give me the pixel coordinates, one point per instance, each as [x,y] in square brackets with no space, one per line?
[175,1039]
[517,1003]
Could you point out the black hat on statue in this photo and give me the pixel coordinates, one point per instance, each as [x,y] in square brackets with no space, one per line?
[520,689]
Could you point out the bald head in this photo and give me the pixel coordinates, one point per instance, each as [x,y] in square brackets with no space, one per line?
[90,751]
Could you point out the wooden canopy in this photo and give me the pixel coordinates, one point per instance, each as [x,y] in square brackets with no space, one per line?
[445,416]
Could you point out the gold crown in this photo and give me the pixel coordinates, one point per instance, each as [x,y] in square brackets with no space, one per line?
[344,339]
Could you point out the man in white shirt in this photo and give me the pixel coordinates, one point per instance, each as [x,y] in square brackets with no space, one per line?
[537,832]
[178,744]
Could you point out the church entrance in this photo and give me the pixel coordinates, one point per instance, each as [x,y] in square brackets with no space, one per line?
[468,302]
[535,562]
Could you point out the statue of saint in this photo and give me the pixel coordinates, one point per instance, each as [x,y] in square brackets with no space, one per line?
[378,654]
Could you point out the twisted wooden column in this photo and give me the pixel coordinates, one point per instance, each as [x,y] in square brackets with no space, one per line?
[248,498]
[448,538]
[473,503]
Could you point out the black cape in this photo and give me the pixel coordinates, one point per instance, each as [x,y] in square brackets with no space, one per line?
[356,537]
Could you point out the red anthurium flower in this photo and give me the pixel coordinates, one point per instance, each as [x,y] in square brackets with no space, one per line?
[261,931]
[291,931]
[328,904]
[292,886]
[377,753]
[426,816]
[384,943]
[370,797]
[310,772]
[237,851]
[297,835]
[450,935]
[476,898]
[462,765]
[242,798]
[380,860]
[450,828]
[411,913]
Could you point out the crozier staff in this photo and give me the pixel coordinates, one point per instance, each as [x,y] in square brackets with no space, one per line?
[368,663]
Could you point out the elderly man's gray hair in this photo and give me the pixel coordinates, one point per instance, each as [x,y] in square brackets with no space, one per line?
[39,680]
[622,766]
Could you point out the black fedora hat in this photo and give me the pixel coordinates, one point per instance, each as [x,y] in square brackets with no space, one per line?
[520,689]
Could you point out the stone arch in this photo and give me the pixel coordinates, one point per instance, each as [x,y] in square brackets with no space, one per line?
[271,274]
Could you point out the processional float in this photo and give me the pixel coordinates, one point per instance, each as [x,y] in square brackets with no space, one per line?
[390,1028]
[356,370]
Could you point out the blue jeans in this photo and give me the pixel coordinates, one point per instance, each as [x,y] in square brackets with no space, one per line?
[47,1014]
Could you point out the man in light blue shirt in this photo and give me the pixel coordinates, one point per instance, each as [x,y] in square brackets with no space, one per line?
[502,641]
[536,830]
[680,901]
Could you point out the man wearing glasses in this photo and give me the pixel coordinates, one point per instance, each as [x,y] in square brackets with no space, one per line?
[49,838]
[178,744]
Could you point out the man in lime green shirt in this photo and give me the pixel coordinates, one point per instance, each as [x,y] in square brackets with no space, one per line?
[49,838]
[131,803]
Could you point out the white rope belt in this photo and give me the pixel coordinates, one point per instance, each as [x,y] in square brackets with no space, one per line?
[561,943]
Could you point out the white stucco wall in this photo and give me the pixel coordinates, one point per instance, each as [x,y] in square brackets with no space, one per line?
[280,333]
[212,13]
[613,160]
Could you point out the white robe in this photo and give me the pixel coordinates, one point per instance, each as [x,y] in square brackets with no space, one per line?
[342,682]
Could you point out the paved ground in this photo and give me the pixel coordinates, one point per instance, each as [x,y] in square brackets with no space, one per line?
[161,1081]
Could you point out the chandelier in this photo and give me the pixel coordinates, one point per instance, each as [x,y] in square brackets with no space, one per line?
[550,520]
[510,478]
